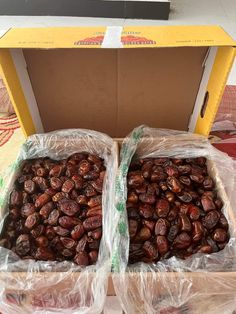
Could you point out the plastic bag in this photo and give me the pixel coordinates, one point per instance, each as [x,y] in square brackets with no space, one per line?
[199,284]
[28,286]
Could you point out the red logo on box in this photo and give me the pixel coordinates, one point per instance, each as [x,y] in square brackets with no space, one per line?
[136,40]
[126,40]
[97,40]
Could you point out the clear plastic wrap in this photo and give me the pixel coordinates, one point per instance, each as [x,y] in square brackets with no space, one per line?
[28,286]
[203,283]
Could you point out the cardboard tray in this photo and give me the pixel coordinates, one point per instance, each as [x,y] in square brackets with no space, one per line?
[22,297]
[218,286]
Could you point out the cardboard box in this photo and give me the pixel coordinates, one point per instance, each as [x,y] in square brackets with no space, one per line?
[134,9]
[113,79]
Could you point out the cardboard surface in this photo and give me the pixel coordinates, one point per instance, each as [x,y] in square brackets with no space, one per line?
[112,90]
[131,37]
[16,94]
[216,85]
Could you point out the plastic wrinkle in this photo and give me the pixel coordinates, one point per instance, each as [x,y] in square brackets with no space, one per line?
[203,283]
[28,286]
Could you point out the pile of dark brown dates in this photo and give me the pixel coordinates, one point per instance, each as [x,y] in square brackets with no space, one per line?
[173,210]
[55,210]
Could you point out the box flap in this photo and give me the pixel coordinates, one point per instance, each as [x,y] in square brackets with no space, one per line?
[131,37]
[176,36]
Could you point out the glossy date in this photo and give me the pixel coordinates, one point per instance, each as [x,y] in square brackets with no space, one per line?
[55,209]
[173,209]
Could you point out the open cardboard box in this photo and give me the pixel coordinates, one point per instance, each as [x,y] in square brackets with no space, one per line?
[166,76]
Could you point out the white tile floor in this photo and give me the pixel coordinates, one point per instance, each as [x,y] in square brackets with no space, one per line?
[220,12]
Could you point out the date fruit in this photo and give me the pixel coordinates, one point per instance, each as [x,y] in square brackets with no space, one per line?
[95,234]
[55,209]
[68,222]
[68,186]
[207,203]
[211,219]
[198,231]
[32,221]
[16,198]
[146,210]
[162,208]
[77,231]
[56,183]
[150,250]
[69,207]
[68,242]
[23,244]
[44,254]
[41,241]
[162,226]
[46,210]
[37,231]
[182,241]
[27,209]
[61,231]
[53,217]
[219,235]
[81,259]
[133,228]
[162,244]
[93,256]
[135,180]
[92,223]
[42,200]
[29,186]
[173,209]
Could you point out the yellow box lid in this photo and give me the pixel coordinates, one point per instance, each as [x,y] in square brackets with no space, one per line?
[126,37]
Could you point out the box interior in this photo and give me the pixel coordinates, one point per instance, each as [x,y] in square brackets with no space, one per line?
[114,90]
